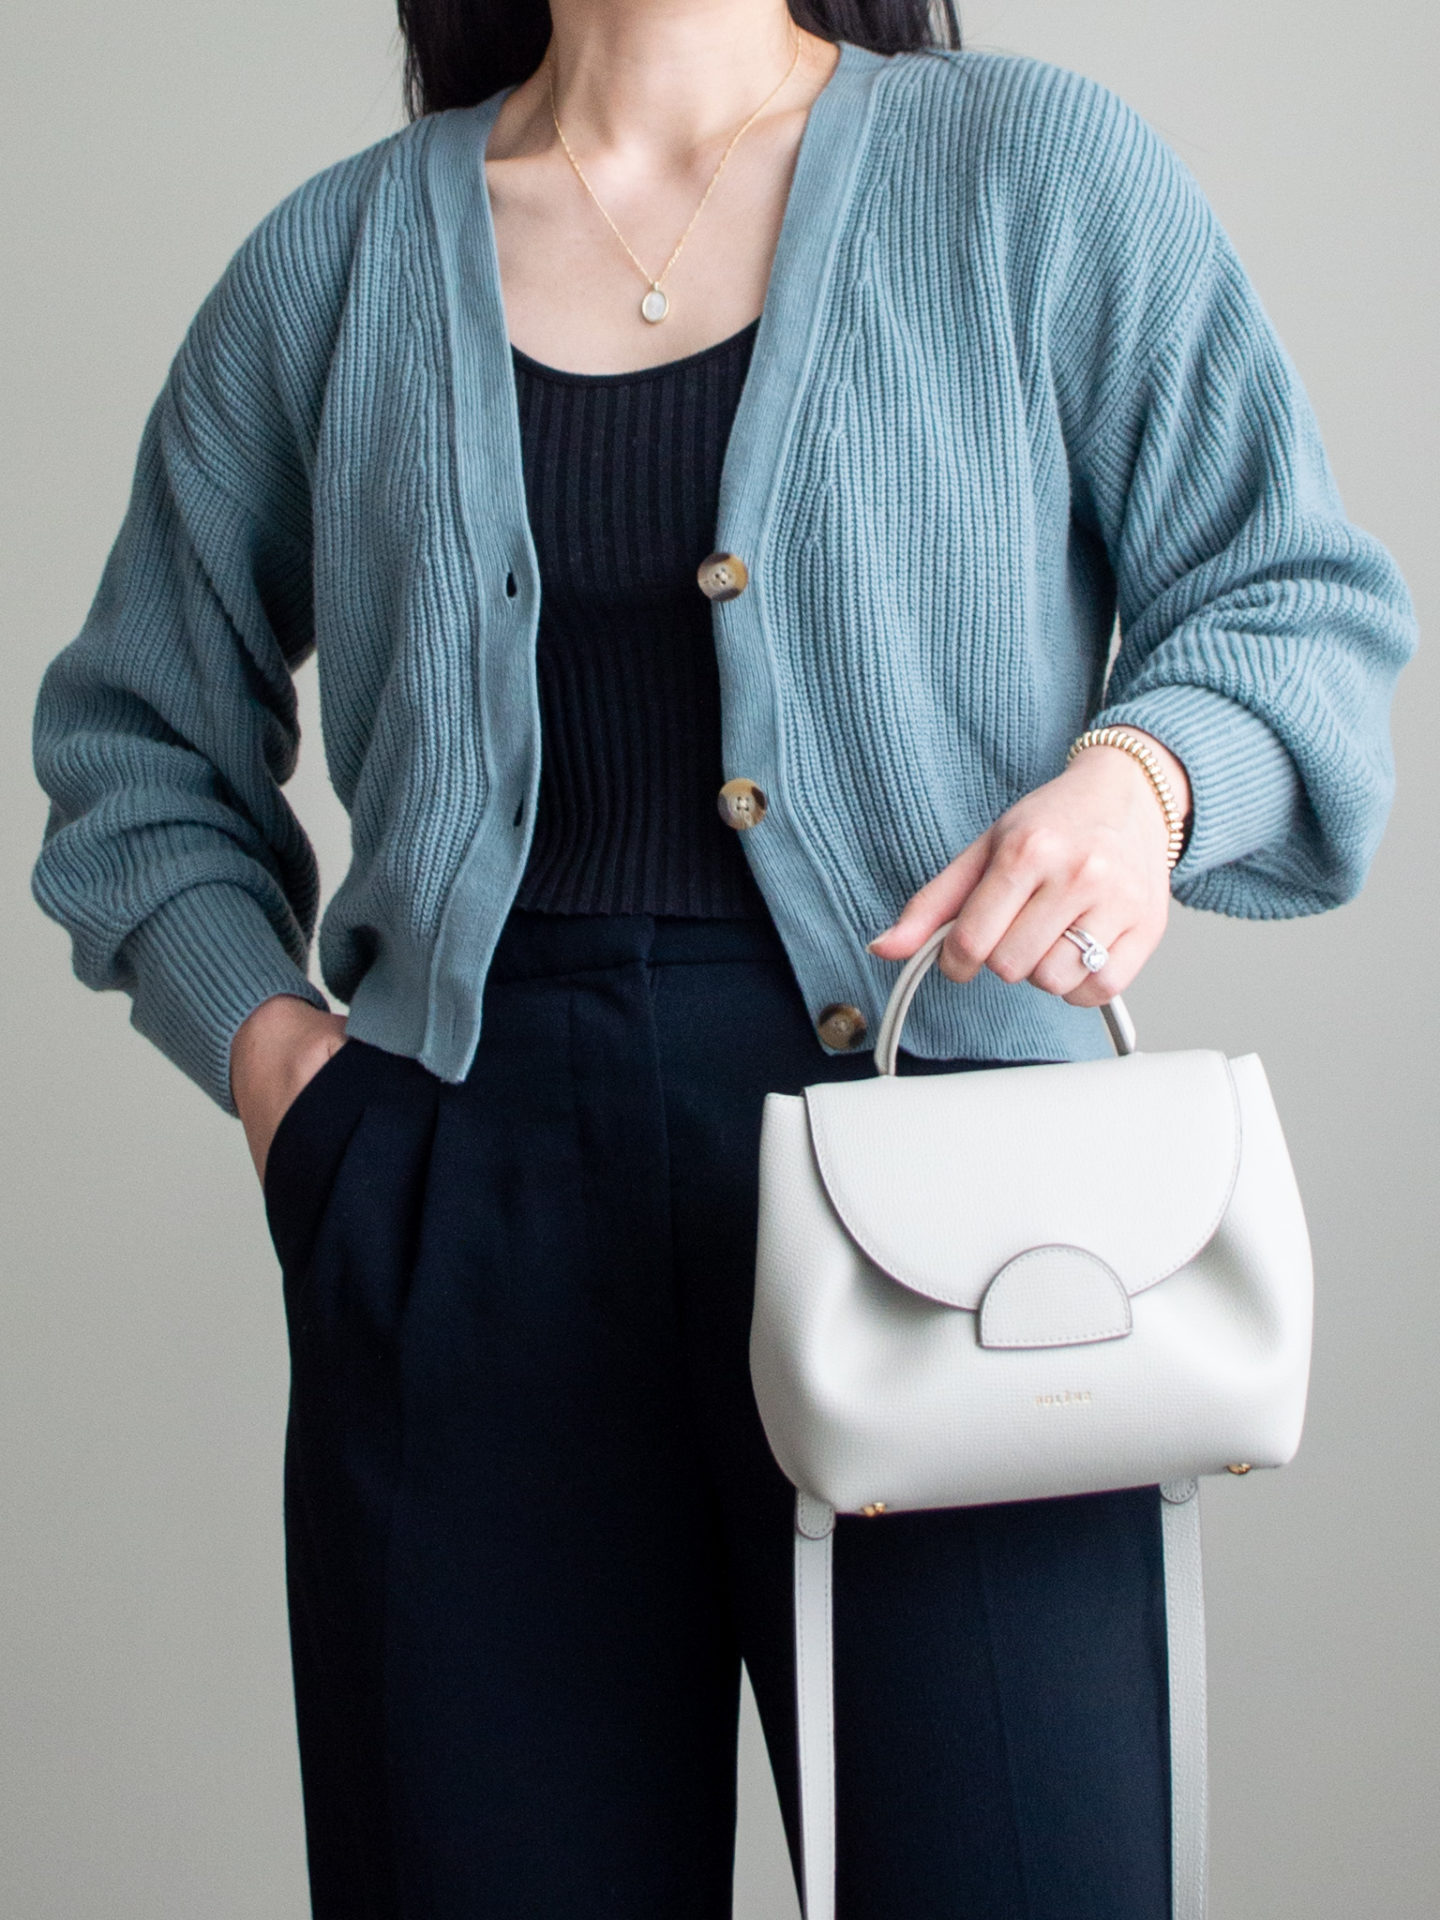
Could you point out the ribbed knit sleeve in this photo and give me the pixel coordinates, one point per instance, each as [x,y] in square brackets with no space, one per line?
[164,732]
[1261,631]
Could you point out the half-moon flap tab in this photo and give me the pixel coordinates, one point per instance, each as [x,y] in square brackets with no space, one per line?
[1054,1297]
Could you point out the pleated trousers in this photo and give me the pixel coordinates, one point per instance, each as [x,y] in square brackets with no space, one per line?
[533,1526]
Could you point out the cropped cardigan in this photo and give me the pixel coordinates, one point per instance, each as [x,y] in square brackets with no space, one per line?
[1010,383]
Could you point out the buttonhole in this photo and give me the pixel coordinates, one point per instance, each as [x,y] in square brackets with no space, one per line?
[510,586]
[518,813]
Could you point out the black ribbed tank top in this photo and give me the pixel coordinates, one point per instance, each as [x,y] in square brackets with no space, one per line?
[622,482]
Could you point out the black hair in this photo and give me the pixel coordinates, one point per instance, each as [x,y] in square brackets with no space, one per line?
[459,52]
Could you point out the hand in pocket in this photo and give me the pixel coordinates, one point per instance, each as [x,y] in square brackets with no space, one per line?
[276,1052]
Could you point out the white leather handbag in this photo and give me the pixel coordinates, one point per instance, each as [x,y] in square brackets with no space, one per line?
[1017,1283]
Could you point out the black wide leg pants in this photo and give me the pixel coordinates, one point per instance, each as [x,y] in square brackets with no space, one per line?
[533,1526]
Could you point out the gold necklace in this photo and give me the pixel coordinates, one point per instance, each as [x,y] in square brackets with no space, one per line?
[656,303]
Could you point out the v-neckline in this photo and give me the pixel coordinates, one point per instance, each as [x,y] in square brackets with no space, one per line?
[481,369]
[489,111]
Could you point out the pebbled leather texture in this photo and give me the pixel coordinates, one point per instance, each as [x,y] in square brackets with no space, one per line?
[873,1384]
[1054,1297]
[1005,1285]
[944,1178]
[1009,1286]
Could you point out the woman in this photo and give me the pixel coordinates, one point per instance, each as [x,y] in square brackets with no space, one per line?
[800,545]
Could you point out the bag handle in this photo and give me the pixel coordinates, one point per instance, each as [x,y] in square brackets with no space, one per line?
[887,1040]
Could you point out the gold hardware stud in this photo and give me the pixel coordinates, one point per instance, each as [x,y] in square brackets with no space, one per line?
[875,1508]
[1241,1466]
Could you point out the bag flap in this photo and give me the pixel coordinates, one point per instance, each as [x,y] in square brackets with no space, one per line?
[942,1179]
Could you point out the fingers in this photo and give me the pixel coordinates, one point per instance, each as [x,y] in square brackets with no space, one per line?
[1030,944]
[1034,946]
[1034,887]
[936,902]
[1014,931]
[1063,966]
[1128,953]
[1062,857]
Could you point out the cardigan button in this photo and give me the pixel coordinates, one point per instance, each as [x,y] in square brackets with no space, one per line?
[742,804]
[841,1026]
[722,576]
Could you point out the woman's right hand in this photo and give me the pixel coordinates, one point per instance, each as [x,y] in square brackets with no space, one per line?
[276,1050]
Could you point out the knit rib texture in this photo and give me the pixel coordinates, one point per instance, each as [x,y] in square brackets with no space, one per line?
[622,479]
[1010,384]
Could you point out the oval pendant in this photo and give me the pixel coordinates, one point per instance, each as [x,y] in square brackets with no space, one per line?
[654,306]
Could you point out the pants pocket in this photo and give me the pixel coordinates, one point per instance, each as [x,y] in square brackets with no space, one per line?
[307,1150]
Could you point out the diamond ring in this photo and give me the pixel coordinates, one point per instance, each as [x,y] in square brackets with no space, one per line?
[1091,952]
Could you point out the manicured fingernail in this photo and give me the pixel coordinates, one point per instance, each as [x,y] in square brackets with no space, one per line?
[870,945]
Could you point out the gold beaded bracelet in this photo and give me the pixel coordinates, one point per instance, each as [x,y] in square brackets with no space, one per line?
[1155,773]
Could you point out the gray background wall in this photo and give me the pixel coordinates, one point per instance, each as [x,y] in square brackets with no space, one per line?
[147,1744]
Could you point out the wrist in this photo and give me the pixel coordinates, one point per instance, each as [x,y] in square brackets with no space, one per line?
[1162,772]
[1172,767]
[278,1020]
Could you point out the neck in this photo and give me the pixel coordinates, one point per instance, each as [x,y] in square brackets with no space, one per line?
[664,78]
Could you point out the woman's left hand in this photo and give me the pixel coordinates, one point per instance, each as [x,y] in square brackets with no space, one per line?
[1088,849]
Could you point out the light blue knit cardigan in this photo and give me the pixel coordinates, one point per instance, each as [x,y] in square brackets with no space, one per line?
[1010,381]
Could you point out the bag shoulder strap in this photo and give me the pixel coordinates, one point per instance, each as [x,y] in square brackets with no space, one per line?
[815,1703]
[1189,1747]
[1185,1638]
